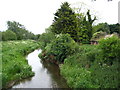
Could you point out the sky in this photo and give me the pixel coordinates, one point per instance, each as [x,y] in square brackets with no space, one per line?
[36,15]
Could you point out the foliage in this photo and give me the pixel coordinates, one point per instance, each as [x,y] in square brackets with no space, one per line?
[108,28]
[20,30]
[46,38]
[115,28]
[110,49]
[14,64]
[76,77]
[79,26]
[104,27]
[8,35]
[84,69]
[83,35]
[75,69]
[65,21]
[60,48]
[105,76]
[84,27]
[88,21]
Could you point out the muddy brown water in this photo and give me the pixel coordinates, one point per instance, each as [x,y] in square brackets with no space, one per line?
[47,75]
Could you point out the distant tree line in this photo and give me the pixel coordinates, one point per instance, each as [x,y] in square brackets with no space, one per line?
[108,28]
[16,31]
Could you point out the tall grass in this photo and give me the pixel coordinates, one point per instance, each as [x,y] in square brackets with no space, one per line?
[87,68]
[14,64]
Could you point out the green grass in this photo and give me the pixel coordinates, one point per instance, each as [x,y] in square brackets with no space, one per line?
[84,69]
[14,63]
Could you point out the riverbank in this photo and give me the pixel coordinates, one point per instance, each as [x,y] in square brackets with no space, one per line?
[47,75]
[86,66]
[14,64]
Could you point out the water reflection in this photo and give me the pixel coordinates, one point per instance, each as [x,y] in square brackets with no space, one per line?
[47,75]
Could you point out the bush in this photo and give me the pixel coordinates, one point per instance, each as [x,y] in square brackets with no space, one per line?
[87,69]
[110,49]
[105,76]
[60,48]
[76,77]
[46,38]
[76,67]
[8,35]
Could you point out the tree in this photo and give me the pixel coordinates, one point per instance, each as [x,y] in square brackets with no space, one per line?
[88,21]
[104,27]
[110,50]
[65,21]
[46,38]
[8,35]
[85,28]
[115,28]
[20,30]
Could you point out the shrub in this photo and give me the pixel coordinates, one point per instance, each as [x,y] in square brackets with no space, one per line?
[77,77]
[110,49]
[105,76]
[46,38]
[85,70]
[8,35]
[61,47]
[76,67]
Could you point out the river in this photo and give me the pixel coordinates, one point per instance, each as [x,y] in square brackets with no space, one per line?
[47,75]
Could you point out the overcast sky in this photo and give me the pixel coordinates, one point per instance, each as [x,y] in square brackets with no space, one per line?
[36,15]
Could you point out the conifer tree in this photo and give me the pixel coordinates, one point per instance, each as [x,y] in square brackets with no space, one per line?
[65,21]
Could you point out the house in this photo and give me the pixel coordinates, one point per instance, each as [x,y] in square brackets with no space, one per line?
[95,40]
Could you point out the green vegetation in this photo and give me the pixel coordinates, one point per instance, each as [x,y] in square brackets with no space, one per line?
[8,35]
[79,26]
[108,28]
[46,38]
[94,66]
[65,43]
[104,27]
[86,66]
[59,49]
[65,21]
[115,28]
[16,31]
[14,64]
[83,65]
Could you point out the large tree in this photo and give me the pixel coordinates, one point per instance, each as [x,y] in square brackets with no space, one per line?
[85,27]
[20,30]
[8,35]
[115,28]
[104,27]
[65,21]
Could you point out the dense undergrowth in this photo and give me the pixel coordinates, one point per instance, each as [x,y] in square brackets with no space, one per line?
[86,66]
[14,63]
[94,66]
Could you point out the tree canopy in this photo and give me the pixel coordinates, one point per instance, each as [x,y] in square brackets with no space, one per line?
[65,21]
[19,30]
[8,35]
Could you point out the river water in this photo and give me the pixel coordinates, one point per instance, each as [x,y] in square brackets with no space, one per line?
[47,75]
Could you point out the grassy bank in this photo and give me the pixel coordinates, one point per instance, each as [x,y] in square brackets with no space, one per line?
[94,66]
[14,63]
[86,66]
